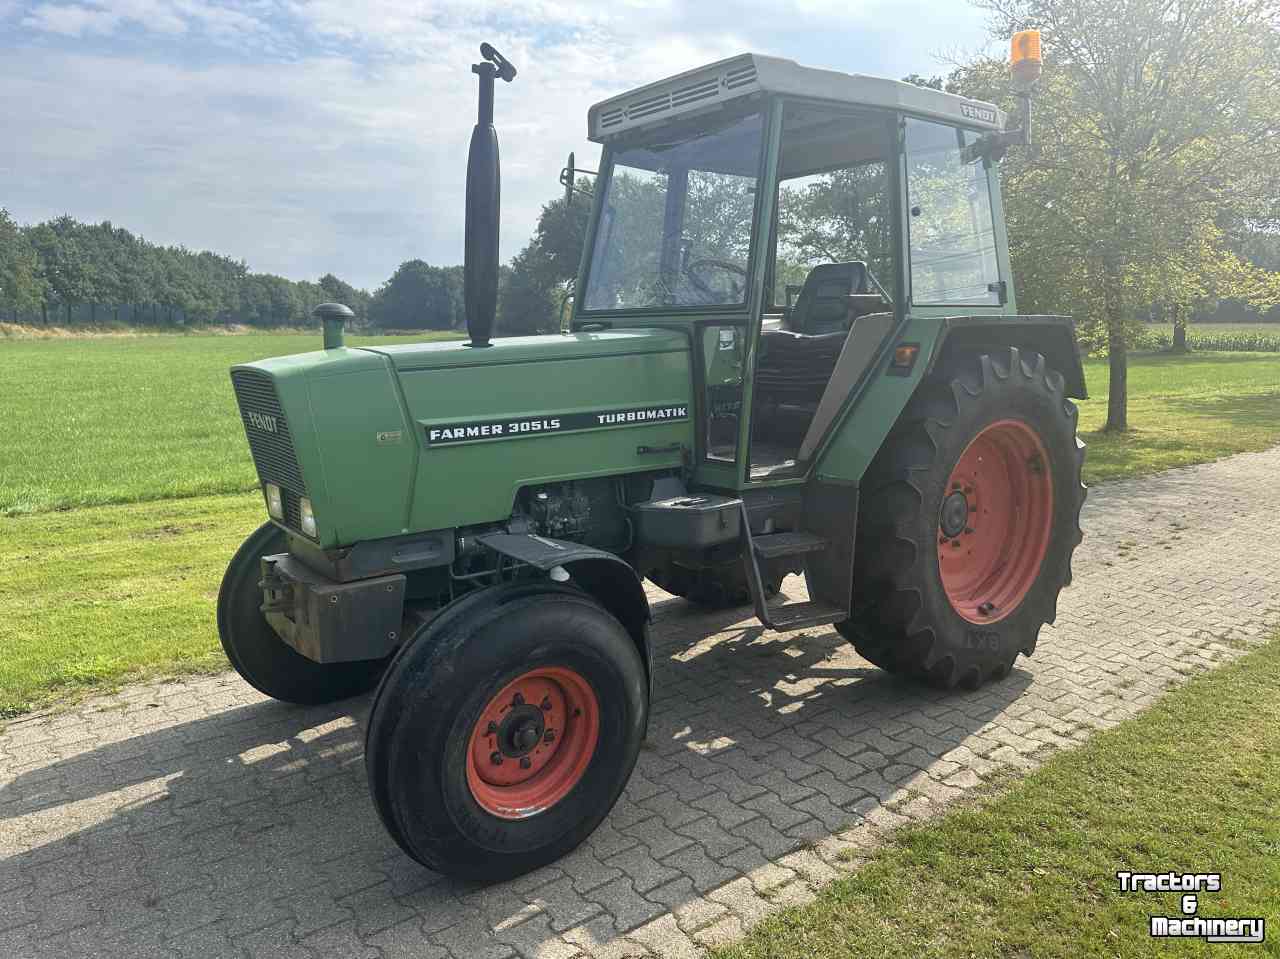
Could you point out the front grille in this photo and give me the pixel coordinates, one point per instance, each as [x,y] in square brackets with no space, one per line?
[269,439]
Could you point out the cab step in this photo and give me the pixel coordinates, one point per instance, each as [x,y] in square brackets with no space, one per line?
[802,615]
[772,546]
[795,543]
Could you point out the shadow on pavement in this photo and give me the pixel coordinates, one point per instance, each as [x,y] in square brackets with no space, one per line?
[254,821]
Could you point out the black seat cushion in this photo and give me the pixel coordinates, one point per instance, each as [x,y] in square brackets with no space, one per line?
[823,304]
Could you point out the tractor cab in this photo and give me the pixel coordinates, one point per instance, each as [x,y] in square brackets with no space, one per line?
[792,220]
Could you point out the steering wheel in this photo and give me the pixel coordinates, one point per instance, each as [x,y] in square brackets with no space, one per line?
[690,270]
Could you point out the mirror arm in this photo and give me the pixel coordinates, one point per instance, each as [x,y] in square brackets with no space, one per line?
[993,146]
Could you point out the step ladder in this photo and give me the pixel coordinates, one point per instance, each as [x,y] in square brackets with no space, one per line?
[769,546]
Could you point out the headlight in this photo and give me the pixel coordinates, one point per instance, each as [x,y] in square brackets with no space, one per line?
[308,518]
[275,503]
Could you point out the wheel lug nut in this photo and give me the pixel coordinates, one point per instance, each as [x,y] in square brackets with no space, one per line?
[496,758]
[549,736]
[491,728]
[525,762]
[517,700]
[546,704]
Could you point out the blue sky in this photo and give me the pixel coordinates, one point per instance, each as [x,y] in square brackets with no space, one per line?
[309,136]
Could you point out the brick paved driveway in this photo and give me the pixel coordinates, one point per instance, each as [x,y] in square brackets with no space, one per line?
[197,819]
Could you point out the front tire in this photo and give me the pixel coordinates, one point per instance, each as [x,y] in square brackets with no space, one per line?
[264,660]
[505,730]
[969,518]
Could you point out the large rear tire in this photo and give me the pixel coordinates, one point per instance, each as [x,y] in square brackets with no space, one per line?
[505,730]
[969,516]
[264,660]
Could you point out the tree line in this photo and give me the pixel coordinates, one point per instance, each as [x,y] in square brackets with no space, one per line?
[65,272]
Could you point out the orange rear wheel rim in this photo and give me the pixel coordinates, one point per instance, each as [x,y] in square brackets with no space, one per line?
[533,742]
[994,522]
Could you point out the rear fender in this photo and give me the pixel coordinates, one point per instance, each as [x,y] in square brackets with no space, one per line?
[1052,336]
[866,421]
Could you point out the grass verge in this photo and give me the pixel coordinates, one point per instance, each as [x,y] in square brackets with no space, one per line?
[101,595]
[1190,785]
[1182,410]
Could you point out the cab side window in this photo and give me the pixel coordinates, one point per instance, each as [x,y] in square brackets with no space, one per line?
[951,225]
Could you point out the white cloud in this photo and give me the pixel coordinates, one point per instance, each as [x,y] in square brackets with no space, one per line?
[338,142]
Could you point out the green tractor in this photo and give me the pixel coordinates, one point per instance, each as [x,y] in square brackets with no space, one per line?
[794,349]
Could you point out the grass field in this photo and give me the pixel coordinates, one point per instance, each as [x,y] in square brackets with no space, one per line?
[1190,785]
[1235,337]
[96,593]
[123,419]
[1182,410]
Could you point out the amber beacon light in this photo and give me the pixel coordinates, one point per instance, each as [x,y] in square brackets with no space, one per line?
[1024,58]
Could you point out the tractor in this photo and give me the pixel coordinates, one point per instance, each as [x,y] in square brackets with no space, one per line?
[794,348]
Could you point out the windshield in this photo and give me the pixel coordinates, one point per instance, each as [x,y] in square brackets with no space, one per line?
[675,226]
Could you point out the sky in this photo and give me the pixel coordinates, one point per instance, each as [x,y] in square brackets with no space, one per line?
[316,136]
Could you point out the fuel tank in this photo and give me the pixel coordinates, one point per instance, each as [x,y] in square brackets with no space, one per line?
[384,440]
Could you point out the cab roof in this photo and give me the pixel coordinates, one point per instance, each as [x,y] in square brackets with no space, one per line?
[751,74]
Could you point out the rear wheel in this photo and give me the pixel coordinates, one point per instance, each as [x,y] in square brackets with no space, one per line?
[970,514]
[264,660]
[505,730]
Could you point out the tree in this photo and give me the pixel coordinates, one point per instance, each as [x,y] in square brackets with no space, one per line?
[417,296]
[21,286]
[1159,120]
[335,290]
[542,274]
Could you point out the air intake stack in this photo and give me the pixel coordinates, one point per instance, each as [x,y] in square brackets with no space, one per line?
[484,192]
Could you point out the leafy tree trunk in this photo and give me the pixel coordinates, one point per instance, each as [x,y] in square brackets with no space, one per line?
[1117,354]
[1179,328]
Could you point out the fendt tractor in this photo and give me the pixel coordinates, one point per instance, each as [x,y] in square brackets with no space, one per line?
[793,348]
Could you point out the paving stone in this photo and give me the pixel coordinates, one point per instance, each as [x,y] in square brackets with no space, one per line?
[666,939]
[722,932]
[406,940]
[536,940]
[627,906]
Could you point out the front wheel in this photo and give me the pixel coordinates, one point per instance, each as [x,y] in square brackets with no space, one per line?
[970,515]
[264,660]
[505,730]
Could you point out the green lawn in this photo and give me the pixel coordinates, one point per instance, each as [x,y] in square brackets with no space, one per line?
[114,419]
[1190,785]
[1182,410]
[97,595]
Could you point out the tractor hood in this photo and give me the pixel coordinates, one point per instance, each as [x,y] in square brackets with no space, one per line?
[384,440]
[530,349]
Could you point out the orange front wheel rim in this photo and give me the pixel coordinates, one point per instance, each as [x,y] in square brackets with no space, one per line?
[533,742]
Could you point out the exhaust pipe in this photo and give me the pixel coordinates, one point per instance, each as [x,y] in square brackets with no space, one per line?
[484,193]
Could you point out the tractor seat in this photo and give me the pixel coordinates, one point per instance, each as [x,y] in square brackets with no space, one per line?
[823,304]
